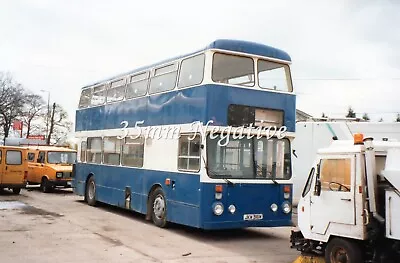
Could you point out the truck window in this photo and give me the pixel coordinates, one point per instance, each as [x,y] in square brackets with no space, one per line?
[309,182]
[14,157]
[336,175]
[41,157]
[31,157]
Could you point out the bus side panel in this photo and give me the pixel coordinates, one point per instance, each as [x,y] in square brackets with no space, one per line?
[184,106]
[220,97]
[183,200]
[249,199]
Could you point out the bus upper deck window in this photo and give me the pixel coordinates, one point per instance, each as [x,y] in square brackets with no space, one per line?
[192,71]
[274,76]
[98,95]
[86,97]
[232,69]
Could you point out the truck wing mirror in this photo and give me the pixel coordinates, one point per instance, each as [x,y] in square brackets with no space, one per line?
[317,189]
[294,153]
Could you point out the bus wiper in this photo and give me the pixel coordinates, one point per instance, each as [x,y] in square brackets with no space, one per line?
[274,173]
[229,182]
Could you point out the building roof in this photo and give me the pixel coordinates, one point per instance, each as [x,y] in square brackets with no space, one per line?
[222,44]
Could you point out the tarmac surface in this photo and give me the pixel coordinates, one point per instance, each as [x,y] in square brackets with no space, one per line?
[60,227]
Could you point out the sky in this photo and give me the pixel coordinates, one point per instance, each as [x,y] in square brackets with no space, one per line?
[344,53]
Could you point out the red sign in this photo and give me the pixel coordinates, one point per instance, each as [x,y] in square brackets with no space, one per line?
[17,125]
[36,137]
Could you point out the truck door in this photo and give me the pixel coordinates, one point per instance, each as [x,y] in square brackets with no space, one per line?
[31,167]
[14,170]
[335,203]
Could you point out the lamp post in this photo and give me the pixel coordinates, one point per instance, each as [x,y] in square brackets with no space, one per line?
[48,111]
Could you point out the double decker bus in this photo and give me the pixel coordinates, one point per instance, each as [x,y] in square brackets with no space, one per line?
[223,167]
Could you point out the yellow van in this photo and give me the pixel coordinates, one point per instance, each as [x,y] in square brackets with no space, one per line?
[50,166]
[13,168]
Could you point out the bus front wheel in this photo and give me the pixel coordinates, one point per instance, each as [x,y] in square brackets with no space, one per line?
[91,192]
[159,208]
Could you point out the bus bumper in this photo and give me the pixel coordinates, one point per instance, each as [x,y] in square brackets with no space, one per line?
[245,224]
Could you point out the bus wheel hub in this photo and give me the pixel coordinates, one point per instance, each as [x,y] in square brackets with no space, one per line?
[159,206]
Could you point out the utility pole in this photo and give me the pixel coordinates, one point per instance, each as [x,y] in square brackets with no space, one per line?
[48,111]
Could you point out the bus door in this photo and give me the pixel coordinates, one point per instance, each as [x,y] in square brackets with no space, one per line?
[14,167]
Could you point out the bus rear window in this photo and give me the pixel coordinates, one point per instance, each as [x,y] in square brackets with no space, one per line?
[85,99]
[232,69]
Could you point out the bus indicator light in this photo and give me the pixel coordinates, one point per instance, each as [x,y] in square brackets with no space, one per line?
[218,188]
[168,181]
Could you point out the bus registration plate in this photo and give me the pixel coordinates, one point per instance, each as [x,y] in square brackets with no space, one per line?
[249,217]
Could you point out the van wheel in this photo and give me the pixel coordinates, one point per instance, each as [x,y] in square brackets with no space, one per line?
[159,207]
[340,250]
[90,193]
[45,186]
[16,191]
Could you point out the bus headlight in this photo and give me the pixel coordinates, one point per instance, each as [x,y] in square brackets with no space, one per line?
[286,208]
[59,174]
[218,209]
[274,207]
[232,209]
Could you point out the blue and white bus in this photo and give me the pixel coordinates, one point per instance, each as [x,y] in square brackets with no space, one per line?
[230,89]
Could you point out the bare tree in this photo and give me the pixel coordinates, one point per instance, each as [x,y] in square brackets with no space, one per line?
[59,125]
[11,102]
[398,117]
[33,110]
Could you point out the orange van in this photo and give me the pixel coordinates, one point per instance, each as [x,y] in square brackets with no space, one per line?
[50,166]
[13,168]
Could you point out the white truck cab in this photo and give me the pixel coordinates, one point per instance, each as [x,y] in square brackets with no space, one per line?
[349,210]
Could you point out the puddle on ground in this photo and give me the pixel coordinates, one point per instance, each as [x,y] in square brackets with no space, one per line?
[12,205]
[26,209]
[30,210]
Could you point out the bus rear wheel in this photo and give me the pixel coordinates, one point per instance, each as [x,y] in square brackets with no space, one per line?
[340,250]
[159,208]
[90,193]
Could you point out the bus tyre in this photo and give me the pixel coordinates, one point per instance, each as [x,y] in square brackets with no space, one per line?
[343,250]
[159,208]
[90,193]
[16,191]
[45,186]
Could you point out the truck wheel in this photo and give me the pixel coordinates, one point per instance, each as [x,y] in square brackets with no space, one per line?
[45,185]
[16,191]
[159,207]
[340,250]
[90,193]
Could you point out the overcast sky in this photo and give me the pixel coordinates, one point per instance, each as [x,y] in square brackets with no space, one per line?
[343,53]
